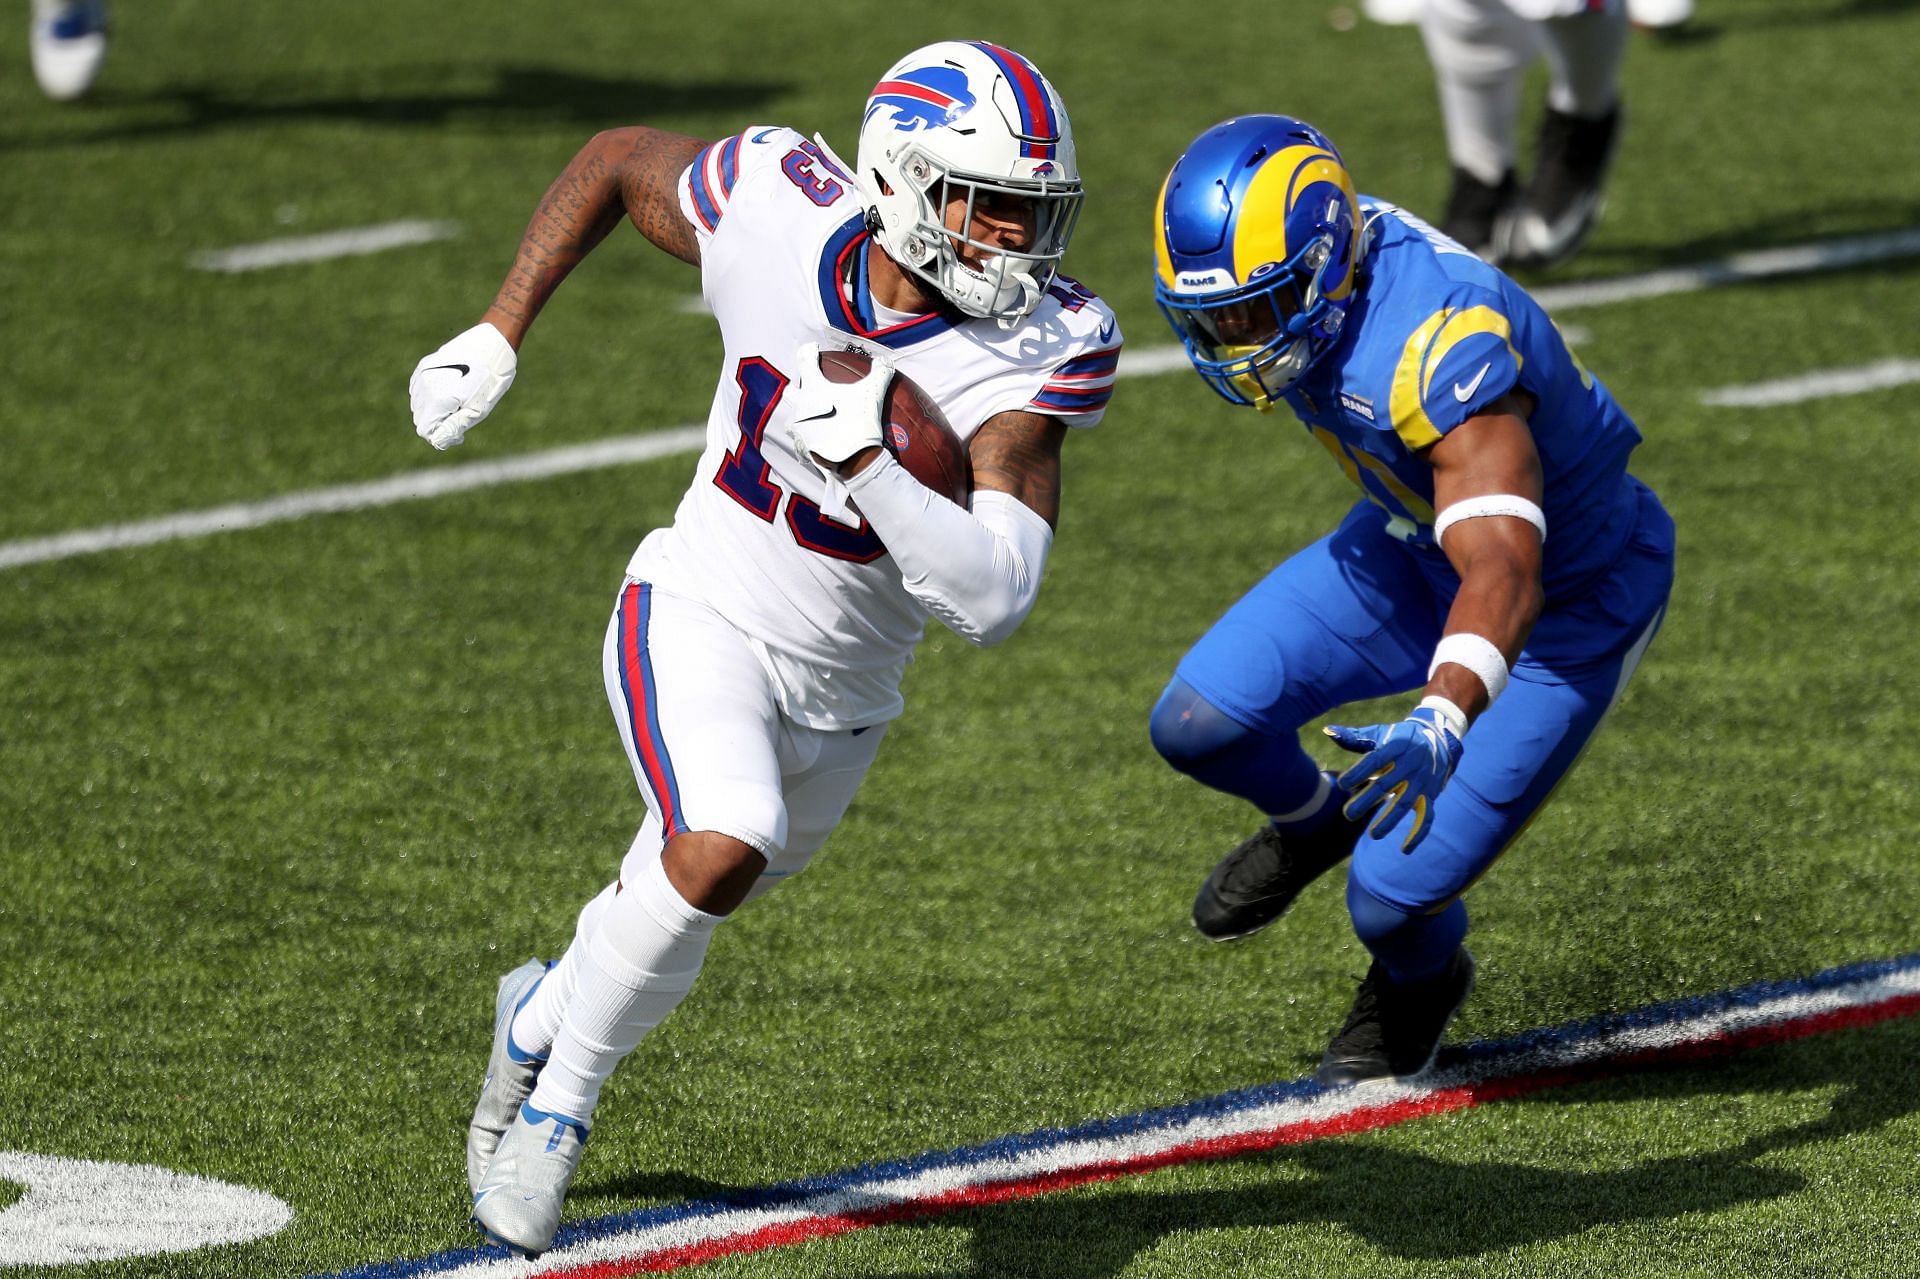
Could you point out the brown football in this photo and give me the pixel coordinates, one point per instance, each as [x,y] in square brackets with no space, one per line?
[916,431]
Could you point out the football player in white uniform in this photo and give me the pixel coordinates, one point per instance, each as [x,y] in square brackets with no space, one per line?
[1481,50]
[756,648]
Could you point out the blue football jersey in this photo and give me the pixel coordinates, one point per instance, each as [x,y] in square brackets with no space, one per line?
[1433,337]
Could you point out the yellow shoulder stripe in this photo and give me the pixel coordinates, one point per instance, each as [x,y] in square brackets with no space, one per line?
[1421,358]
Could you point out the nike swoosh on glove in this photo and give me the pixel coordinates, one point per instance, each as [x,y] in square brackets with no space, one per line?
[1404,767]
[834,420]
[455,388]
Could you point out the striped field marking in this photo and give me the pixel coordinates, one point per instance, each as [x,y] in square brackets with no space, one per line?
[622,450]
[754,1220]
[320,248]
[1816,386]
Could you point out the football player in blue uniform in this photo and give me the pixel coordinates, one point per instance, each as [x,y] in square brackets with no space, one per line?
[1501,563]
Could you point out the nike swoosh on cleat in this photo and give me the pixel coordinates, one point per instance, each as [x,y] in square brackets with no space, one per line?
[1465,393]
[462,368]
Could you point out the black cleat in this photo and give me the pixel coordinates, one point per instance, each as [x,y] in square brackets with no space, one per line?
[1394,1030]
[1474,211]
[1567,193]
[1255,883]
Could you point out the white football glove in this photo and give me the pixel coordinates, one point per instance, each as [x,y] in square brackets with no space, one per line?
[457,386]
[835,420]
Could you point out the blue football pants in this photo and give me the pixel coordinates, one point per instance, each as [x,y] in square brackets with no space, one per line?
[1353,617]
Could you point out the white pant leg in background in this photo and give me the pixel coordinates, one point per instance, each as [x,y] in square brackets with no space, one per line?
[1481,49]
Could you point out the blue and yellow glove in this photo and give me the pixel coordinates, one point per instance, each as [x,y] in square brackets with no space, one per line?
[1405,766]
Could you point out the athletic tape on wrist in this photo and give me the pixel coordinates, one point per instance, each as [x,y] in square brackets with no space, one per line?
[1491,504]
[1452,715]
[1479,655]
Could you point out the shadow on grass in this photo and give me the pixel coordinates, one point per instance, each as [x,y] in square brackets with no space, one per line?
[1417,1207]
[518,95]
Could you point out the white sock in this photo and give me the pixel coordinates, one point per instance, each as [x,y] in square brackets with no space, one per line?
[1583,56]
[635,969]
[1480,52]
[538,1020]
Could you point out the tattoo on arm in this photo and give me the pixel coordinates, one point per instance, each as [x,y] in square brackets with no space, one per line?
[648,179]
[1019,453]
[620,173]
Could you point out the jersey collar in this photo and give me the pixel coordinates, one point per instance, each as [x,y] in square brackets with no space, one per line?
[848,300]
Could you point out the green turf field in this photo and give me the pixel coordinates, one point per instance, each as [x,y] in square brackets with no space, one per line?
[278,806]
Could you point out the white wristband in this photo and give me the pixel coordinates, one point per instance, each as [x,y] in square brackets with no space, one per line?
[1479,655]
[1491,504]
[1453,716]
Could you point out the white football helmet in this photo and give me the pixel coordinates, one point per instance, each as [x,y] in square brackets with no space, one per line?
[969,120]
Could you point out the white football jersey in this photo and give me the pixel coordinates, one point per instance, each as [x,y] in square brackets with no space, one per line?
[783,244]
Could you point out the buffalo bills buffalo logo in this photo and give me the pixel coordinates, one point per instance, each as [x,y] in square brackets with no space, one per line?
[922,98]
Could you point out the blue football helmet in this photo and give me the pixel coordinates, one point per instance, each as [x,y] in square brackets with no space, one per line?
[1258,247]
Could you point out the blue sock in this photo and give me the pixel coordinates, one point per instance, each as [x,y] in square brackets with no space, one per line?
[1411,947]
[1268,770]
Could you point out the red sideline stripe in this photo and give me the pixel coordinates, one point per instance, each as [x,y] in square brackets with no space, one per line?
[1442,1101]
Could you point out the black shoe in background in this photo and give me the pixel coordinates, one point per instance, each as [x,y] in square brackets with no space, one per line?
[1568,191]
[1475,209]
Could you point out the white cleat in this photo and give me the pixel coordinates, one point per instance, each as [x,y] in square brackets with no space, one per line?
[518,1202]
[68,40]
[510,1072]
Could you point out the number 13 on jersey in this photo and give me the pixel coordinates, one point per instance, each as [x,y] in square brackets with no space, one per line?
[745,476]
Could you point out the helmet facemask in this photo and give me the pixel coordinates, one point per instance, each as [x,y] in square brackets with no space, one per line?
[1252,343]
[1007,284]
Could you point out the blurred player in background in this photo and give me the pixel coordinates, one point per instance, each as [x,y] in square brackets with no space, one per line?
[1481,50]
[1502,563]
[755,652]
[67,40]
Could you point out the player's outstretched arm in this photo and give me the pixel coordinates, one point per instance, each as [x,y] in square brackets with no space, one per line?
[1487,496]
[628,173]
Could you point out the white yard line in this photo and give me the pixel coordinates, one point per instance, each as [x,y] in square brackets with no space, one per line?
[408,487]
[1797,259]
[1816,386]
[1827,255]
[319,248]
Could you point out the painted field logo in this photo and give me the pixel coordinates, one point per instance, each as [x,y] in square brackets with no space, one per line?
[78,1210]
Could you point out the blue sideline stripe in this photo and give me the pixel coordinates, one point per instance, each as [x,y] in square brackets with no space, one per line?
[1483,1053]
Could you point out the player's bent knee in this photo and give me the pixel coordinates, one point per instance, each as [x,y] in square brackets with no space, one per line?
[712,871]
[1375,920]
[1188,730]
